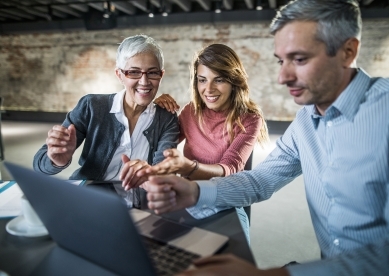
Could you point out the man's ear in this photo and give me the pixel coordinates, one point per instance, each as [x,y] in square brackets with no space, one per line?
[350,51]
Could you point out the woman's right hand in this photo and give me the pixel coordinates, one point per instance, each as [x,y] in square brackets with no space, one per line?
[61,144]
[166,101]
[175,162]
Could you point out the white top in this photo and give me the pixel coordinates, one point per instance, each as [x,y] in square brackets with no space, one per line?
[135,146]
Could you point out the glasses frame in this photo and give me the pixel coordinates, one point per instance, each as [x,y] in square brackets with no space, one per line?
[142,73]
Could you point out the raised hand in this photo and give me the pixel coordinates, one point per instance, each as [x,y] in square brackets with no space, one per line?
[61,144]
[166,101]
[129,176]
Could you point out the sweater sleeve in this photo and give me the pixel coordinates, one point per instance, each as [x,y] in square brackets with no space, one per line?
[237,154]
[166,136]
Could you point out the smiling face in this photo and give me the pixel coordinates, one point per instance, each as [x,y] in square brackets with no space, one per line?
[214,90]
[311,76]
[140,92]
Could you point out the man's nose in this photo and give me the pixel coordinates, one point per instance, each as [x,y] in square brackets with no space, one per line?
[286,73]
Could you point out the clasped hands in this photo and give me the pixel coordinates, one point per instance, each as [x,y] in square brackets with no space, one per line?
[136,172]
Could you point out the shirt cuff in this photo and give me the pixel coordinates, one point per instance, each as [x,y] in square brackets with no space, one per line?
[317,268]
[207,198]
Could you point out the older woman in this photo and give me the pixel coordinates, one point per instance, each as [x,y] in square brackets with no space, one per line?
[122,132]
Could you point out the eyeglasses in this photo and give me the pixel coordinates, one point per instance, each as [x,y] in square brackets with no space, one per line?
[137,74]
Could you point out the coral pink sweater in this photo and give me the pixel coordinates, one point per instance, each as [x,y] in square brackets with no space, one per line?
[213,146]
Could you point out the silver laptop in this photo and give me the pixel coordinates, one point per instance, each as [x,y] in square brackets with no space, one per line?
[96,235]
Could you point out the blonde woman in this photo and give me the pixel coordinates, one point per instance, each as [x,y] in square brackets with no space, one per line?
[220,125]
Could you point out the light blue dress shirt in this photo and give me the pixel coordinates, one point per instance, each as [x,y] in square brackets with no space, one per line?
[344,159]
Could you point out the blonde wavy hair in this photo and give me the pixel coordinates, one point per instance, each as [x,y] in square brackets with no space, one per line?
[224,61]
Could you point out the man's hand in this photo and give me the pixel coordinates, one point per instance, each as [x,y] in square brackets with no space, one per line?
[169,193]
[61,144]
[226,265]
[129,176]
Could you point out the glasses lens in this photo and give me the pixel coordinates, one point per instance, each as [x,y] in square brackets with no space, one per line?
[137,74]
[132,74]
[155,75]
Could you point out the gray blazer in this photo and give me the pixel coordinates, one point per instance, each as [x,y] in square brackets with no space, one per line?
[101,133]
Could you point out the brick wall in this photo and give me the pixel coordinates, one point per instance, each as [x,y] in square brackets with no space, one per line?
[50,72]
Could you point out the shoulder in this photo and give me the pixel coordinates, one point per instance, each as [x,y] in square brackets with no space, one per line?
[97,98]
[187,110]
[96,104]
[163,113]
[378,88]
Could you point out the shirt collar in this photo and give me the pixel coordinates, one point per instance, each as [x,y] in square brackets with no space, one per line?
[117,105]
[349,100]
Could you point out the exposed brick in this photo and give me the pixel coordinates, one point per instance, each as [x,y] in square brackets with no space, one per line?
[50,72]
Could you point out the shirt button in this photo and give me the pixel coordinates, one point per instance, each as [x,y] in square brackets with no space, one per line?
[336,242]
[329,124]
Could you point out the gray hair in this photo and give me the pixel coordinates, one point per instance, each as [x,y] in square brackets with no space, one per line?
[137,44]
[338,20]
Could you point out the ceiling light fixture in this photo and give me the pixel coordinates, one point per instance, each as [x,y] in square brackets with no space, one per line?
[109,9]
[218,7]
[150,9]
[259,5]
[166,7]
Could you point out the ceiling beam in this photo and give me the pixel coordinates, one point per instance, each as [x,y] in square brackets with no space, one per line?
[97,6]
[183,4]
[79,7]
[66,9]
[124,7]
[54,12]
[227,4]
[156,3]
[140,4]
[18,13]
[6,15]
[249,4]
[273,4]
[35,12]
[206,4]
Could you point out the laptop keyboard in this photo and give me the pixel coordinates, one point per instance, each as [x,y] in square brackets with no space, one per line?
[168,259]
